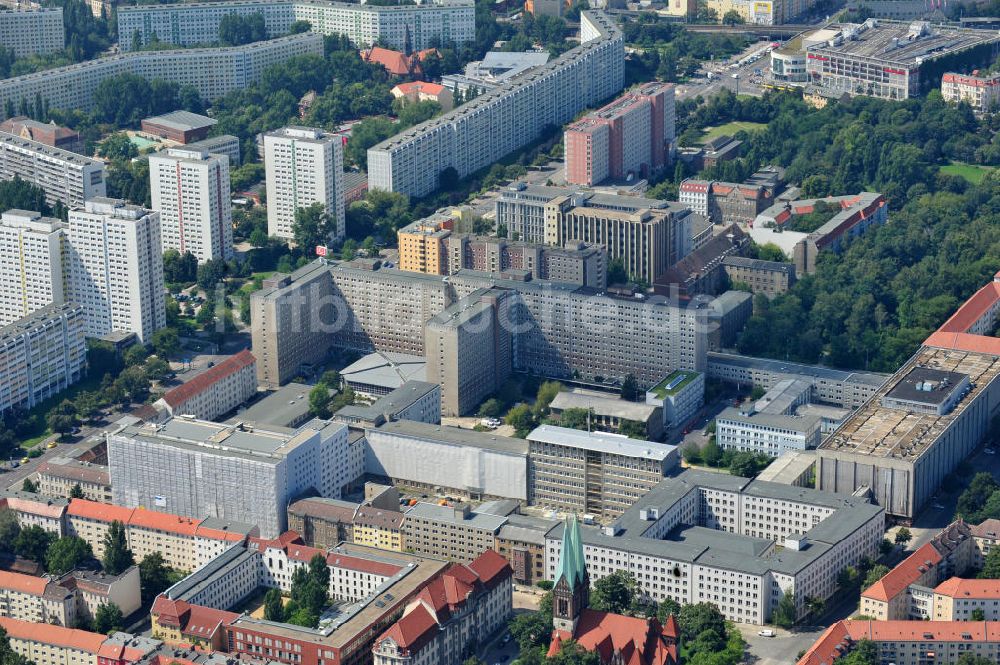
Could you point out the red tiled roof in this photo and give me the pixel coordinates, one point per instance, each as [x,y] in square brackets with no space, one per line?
[44,633]
[987,529]
[208,378]
[102,512]
[150,519]
[638,641]
[413,87]
[491,568]
[45,508]
[362,565]
[839,638]
[395,62]
[413,631]
[28,584]
[969,588]
[902,576]
[194,620]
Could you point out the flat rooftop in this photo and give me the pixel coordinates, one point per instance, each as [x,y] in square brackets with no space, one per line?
[902,42]
[673,383]
[387,369]
[455,436]
[604,405]
[879,431]
[788,467]
[182,120]
[224,440]
[926,385]
[434,512]
[287,404]
[785,367]
[602,442]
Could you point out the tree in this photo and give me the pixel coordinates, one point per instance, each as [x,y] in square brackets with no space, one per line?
[29,485]
[273,606]
[521,419]
[117,555]
[179,268]
[7,655]
[61,424]
[575,418]
[711,453]
[547,392]
[991,565]
[885,547]
[235,30]
[784,613]
[876,573]
[211,272]
[312,227]
[67,553]
[491,408]
[633,429]
[319,401]
[732,17]
[903,536]
[969,658]
[977,615]
[76,492]
[118,146]
[614,592]
[33,542]
[747,464]
[108,618]
[865,652]
[630,388]
[696,618]
[154,576]
[9,530]
[616,271]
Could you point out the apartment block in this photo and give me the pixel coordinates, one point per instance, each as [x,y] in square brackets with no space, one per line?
[191,24]
[237,472]
[34,32]
[304,166]
[216,391]
[595,473]
[521,541]
[468,350]
[982,93]
[212,71]
[323,523]
[41,355]
[771,278]
[453,533]
[44,644]
[701,271]
[630,138]
[726,202]
[680,395]
[34,510]
[414,400]
[772,425]
[190,189]
[607,413]
[708,537]
[31,258]
[58,476]
[647,241]
[379,528]
[185,543]
[66,177]
[421,245]
[503,120]
[467,600]
[115,266]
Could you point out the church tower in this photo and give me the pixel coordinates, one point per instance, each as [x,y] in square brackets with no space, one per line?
[571,593]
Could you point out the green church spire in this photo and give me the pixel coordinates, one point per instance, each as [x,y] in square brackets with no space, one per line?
[571,561]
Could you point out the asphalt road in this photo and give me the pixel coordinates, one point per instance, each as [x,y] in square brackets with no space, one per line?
[14,478]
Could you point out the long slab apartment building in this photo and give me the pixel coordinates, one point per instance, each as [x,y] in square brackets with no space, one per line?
[213,72]
[499,122]
[560,329]
[34,32]
[926,419]
[444,21]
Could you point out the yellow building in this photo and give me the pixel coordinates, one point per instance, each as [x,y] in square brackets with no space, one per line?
[379,528]
[44,644]
[421,245]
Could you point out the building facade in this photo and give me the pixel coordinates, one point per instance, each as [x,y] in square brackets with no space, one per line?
[31,263]
[41,355]
[495,124]
[59,476]
[982,93]
[190,189]
[115,267]
[593,473]
[630,138]
[304,166]
[34,32]
[237,472]
[212,71]
[454,533]
[441,21]
[66,177]
[216,391]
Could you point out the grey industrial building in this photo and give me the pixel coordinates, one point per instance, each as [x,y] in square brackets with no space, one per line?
[455,533]
[915,430]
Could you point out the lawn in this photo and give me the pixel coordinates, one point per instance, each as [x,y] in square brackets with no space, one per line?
[41,430]
[974,174]
[731,128]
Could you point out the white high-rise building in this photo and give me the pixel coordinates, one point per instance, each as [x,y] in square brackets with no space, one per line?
[190,190]
[115,265]
[66,177]
[31,272]
[304,166]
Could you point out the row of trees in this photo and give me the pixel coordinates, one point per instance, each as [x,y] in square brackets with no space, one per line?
[308,596]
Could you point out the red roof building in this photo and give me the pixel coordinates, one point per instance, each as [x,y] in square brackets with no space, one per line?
[216,391]
[467,599]
[396,62]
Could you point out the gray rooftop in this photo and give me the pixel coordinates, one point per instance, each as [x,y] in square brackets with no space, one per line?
[287,404]
[184,121]
[436,513]
[804,423]
[386,369]
[604,405]
[455,436]
[603,442]
[758,264]
[785,367]
[387,406]
[527,529]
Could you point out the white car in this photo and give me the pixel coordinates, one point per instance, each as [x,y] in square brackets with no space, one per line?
[989,451]
[765,633]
